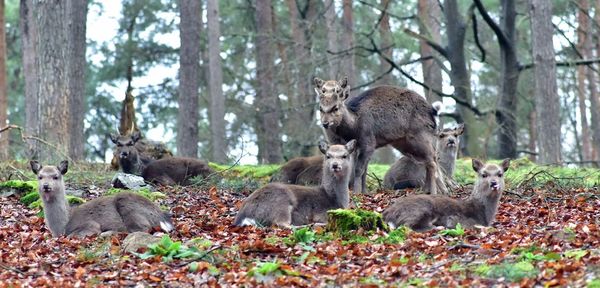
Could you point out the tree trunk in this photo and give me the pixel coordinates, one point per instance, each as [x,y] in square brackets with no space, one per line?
[28,38]
[347,42]
[332,38]
[215,83]
[4,154]
[429,13]
[595,96]
[532,123]
[461,79]
[267,105]
[77,15]
[189,77]
[583,43]
[51,22]
[546,95]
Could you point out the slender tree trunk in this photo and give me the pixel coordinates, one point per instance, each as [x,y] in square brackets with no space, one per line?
[595,95]
[51,22]
[77,15]
[28,44]
[429,14]
[189,77]
[546,91]
[267,105]
[215,83]
[332,38]
[461,79]
[4,155]
[532,117]
[347,42]
[583,43]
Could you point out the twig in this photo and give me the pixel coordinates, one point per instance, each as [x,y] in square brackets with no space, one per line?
[5,267]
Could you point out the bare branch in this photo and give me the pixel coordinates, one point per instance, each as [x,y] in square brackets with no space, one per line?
[437,47]
[587,62]
[476,34]
[493,25]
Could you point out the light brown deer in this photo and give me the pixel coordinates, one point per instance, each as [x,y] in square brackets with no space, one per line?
[285,205]
[423,212]
[407,173]
[175,171]
[384,115]
[133,153]
[124,212]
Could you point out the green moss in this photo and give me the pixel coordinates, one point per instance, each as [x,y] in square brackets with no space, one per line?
[512,272]
[19,187]
[153,196]
[345,223]
[396,236]
[30,198]
[262,172]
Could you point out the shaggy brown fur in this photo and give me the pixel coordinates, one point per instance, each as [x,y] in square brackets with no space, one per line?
[385,115]
[175,171]
[133,154]
[286,205]
[423,212]
[124,212]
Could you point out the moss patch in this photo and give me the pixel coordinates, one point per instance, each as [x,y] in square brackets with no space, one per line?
[18,187]
[345,222]
[153,196]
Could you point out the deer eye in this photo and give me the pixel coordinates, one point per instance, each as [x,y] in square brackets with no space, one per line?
[500,174]
[328,156]
[39,177]
[323,90]
[130,144]
[484,175]
[345,156]
[55,177]
[321,110]
[335,109]
[119,145]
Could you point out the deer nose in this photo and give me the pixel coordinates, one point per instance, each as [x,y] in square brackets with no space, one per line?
[335,166]
[450,141]
[124,154]
[46,186]
[325,125]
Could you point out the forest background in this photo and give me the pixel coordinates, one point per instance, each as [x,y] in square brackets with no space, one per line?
[522,79]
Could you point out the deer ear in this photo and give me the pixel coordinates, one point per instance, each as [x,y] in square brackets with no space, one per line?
[135,136]
[323,146]
[477,165]
[344,82]
[351,146]
[63,167]
[318,82]
[114,138]
[505,164]
[35,166]
[460,129]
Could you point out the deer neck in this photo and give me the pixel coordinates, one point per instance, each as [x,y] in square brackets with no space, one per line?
[348,119]
[447,160]
[336,188]
[485,202]
[56,213]
[135,165]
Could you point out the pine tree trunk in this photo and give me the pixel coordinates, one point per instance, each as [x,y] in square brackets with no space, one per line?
[4,154]
[51,22]
[215,83]
[77,15]
[347,43]
[546,95]
[267,105]
[583,43]
[429,13]
[595,95]
[28,41]
[189,77]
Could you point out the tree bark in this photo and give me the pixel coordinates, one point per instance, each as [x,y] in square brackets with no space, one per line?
[51,23]
[595,95]
[347,43]
[461,78]
[429,13]
[532,121]
[215,83]
[332,38]
[4,154]
[546,95]
[77,15]
[583,43]
[189,77]
[267,105]
[28,44]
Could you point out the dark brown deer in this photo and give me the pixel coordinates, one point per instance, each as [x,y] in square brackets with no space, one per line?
[407,173]
[175,171]
[289,172]
[285,205]
[134,153]
[124,212]
[423,212]
[384,115]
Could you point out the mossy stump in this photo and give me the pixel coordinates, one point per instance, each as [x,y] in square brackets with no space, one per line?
[345,222]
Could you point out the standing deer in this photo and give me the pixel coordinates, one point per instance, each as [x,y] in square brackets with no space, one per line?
[134,153]
[407,173]
[423,212]
[124,212]
[285,205]
[377,117]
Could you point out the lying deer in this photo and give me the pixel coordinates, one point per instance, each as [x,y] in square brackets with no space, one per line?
[423,212]
[377,117]
[407,173]
[124,212]
[134,153]
[289,172]
[285,205]
[175,170]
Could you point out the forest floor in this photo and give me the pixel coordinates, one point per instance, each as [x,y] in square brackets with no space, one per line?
[547,235]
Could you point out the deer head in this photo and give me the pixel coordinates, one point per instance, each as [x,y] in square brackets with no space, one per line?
[331,94]
[50,179]
[490,176]
[126,145]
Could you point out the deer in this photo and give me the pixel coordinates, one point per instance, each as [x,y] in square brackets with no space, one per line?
[407,173]
[134,153]
[175,171]
[289,205]
[423,212]
[289,172]
[384,115]
[123,212]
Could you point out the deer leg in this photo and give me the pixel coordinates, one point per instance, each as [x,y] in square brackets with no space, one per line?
[360,171]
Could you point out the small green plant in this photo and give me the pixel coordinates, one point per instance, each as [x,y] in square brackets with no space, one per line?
[266,271]
[513,272]
[304,235]
[168,250]
[456,232]
[396,236]
[92,253]
[577,254]
[595,283]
